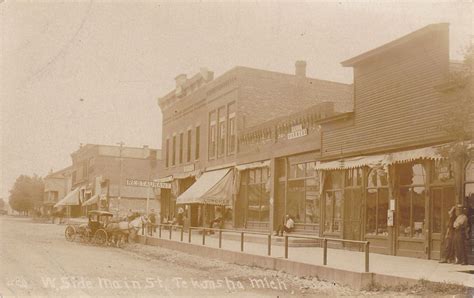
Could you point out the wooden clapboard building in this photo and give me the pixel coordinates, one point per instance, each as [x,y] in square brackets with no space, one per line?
[386,175]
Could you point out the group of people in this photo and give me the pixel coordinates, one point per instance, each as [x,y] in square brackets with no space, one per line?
[454,246]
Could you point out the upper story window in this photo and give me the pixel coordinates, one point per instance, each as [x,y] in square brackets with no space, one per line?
[232,134]
[212,134]
[188,148]
[167,153]
[198,142]
[173,154]
[222,131]
[181,147]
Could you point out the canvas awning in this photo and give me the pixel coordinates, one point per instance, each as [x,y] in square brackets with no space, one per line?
[93,200]
[410,155]
[381,160]
[354,162]
[253,165]
[71,199]
[213,188]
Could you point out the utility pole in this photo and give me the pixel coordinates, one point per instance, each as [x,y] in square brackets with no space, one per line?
[121,178]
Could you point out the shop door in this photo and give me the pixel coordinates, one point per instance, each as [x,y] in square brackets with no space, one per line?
[352,214]
[441,200]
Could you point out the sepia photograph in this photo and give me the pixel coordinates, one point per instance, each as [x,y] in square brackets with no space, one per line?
[236,148]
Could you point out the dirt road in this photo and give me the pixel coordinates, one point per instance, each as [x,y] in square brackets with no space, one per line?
[36,260]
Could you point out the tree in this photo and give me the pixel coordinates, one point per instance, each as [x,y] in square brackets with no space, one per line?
[458,121]
[27,193]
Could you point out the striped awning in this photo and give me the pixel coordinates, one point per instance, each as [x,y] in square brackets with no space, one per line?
[71,199]
[381,160]
[93,200]
[213,188]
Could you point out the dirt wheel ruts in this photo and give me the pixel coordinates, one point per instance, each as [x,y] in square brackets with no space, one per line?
[100,237]
[70,233]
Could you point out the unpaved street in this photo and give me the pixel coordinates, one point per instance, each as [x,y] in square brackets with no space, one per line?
[35,259]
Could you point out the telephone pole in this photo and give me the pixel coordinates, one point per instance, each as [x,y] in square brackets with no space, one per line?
[121,178]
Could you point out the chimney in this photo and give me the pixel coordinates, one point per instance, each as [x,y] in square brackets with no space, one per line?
[300,68]
[180,80]
[206,74]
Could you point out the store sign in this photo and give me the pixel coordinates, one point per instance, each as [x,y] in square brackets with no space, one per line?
[145,183]
[297,131]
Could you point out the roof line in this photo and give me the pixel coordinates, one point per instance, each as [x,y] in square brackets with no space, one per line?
[399,41]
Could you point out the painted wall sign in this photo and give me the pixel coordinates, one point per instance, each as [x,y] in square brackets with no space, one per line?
[297,131]
[145,183]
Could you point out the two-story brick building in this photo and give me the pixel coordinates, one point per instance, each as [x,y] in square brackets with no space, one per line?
[204,120]
[102,176]
[56,186]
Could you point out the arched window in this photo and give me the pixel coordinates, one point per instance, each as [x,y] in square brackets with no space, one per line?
[411,199]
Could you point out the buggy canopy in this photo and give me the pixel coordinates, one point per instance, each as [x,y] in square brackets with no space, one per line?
[71,199]
[214,187]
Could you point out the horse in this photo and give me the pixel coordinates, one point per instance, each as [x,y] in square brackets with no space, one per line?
[120,229]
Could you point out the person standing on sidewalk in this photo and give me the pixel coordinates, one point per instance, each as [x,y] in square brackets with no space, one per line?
[460,235]
[447,248]
[152,224]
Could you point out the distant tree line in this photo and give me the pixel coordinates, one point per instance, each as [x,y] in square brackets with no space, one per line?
[27,194]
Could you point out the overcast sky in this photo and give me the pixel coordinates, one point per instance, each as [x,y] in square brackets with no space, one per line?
[91,72]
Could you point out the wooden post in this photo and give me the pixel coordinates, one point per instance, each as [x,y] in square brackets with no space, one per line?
[171,229]
[366,249]
[286,246]
[220,239]
[269,250]
[241,241]
[182,233]
[189,235]
[159,231]
[203,236]
[325,251]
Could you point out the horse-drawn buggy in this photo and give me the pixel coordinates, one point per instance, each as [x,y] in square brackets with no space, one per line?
[103,229]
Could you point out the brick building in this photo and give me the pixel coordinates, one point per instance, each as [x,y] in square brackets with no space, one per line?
[56,186]
[100,175]
[203,122]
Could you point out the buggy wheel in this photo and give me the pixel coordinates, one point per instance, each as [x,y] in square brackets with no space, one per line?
[70,233]
[100,237]
[86,236]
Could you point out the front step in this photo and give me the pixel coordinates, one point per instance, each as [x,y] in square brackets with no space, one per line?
[276,240]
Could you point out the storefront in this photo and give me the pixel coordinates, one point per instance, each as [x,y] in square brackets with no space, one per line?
[398,201]
[209,195]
